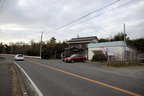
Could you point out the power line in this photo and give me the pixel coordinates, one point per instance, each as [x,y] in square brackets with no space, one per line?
[83,17]
[104,12]
[17,15]
[2,6]
[99,14]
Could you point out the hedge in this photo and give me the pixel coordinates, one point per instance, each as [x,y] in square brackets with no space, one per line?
[98,58]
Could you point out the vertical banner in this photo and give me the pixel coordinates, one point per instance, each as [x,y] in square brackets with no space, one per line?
[103,50]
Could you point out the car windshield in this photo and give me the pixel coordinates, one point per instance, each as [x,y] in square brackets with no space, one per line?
[20,55]
[73,55]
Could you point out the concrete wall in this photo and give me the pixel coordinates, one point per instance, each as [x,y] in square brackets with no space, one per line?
[118,51]
[118,47]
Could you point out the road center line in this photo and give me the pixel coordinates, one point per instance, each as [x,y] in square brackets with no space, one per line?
[116,88]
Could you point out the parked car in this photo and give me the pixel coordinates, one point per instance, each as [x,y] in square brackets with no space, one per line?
[76,57]
[66,54]
[19,57]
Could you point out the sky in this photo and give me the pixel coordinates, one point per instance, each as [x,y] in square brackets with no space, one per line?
[25,20]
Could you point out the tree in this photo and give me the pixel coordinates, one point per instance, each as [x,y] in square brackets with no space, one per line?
[7,49]
[119,37]
[58,49]
[65,44]
[1,47]
[137,43]
[103,40]
[53,40]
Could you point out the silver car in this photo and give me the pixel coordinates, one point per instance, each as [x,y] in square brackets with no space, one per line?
[19,57]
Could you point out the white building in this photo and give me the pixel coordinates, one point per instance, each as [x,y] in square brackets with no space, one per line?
[117,46]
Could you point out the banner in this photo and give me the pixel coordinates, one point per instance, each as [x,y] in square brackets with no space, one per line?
[103,50]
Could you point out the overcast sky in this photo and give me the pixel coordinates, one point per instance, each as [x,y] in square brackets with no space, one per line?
[24,20]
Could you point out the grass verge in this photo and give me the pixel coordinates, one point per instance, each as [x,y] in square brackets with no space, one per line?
[16,83]
[122,64]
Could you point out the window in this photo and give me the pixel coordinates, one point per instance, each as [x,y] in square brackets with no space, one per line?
[96,52]
[77,56]
[80,55]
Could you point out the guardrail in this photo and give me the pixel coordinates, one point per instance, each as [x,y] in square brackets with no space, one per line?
[36,57]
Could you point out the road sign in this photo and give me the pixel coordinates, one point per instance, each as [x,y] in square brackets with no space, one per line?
[110,51]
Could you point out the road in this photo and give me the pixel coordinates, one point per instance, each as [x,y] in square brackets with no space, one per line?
[57,78]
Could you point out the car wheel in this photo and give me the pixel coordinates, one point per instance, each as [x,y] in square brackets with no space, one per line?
[72,61]
[84,60]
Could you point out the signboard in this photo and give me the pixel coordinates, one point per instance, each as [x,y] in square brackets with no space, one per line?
[103,50]
[110,51]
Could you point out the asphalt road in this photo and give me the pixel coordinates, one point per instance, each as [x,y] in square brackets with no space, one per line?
[57,78]
[5,78]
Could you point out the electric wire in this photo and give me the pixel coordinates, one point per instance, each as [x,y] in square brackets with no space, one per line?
[99,14]
[104,12]
[17,15]
[1,7]
[78,18]
[83,17]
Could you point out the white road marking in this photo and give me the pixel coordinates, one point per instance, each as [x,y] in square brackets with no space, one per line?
[33,84]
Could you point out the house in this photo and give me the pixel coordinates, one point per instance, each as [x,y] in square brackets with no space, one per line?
[117,46]
[80,44]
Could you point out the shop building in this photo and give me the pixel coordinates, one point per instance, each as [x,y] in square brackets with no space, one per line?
[121,51]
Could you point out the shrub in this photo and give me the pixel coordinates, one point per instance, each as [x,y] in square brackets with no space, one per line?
[98,58]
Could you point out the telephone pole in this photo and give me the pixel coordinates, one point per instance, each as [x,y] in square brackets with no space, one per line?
[41,44]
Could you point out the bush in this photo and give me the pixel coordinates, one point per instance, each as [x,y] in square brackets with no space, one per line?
[99,58]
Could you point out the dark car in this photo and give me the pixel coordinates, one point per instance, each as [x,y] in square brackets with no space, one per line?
[66,54]
[76,57]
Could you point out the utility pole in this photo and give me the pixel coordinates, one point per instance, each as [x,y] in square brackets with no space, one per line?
[41,44]
[124,44]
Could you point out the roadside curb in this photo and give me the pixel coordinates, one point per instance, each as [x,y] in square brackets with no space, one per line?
[23,88]
[27,85]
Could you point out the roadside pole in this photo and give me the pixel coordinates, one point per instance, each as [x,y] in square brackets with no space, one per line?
[41,44]
[107,55]
[108,59]
[124,44]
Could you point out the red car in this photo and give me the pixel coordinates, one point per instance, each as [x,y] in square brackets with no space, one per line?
[76,57]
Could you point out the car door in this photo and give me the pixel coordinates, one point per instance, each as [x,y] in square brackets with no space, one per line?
[81,57]
[77,58]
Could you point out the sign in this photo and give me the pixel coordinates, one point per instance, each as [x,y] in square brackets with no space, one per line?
[110,51]
[103,50]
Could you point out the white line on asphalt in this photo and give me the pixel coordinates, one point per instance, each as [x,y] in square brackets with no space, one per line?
[33,84]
